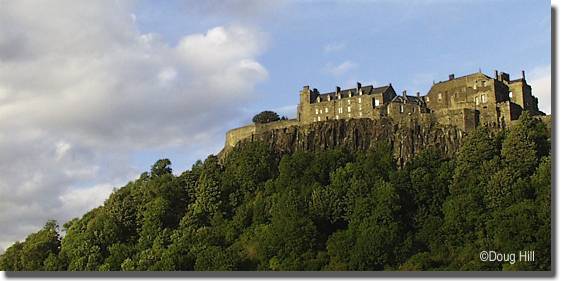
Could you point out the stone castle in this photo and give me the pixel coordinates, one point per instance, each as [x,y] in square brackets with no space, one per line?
[464,102]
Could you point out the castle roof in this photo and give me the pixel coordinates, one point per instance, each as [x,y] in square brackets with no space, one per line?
[463,77]
[408,99]
[366,90]
[456,82]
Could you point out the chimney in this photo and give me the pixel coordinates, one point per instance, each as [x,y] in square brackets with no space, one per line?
[316,91]
[337,89]
[504,76]
[306,87]
[523,74]
[451,76]
[496,74]
[404,93]
[418,94]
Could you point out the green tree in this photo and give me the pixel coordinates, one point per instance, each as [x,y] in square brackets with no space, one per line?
[39,251]
[265,117]
[161,167]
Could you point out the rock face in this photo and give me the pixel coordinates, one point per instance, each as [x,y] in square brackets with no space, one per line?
[406,138]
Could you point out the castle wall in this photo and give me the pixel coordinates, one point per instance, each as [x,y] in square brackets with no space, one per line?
[235,135]
[247,132]
[464,118]
[508,112]
[521,94]
[397,111]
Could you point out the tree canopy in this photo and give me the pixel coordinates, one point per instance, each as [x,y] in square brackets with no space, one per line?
[265,117]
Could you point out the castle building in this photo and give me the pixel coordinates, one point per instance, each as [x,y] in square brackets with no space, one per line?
[359,102]
[466,102]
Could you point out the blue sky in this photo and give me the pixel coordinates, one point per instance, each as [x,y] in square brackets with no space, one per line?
[407,43]
[92,93]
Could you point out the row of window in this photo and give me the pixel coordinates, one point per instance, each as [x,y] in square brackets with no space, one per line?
[348,100]
[339,110]
[478,99]
[337,117]
[376,102]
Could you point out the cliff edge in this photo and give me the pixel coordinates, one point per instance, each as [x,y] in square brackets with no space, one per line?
[406,138]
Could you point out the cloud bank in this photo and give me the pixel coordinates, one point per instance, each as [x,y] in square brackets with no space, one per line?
[81,90]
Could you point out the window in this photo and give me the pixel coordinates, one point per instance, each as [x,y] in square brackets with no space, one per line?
[476,100]
[510,95]
[360,114]
[475,86]
[359,100]
[401,108]
[337,117]
[483,98]
[427,99]
[319,118]
[439,96]
[326,110]
[320,111]
[340,110]
[376,102]
[348,101]
[317,111]
[349,115]
[360,107]
[348,109]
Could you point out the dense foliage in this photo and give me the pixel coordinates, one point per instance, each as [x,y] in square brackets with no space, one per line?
[266,117]
[328,210]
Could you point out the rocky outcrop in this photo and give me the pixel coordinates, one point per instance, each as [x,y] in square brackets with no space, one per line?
[406,138]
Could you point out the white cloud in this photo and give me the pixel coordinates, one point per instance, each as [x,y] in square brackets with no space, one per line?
[540,80]
[81,90]
[339,69]
[62,148]
[333,47]
[167,75]
[80,200]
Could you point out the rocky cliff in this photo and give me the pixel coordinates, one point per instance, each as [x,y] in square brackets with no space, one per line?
[406,138]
